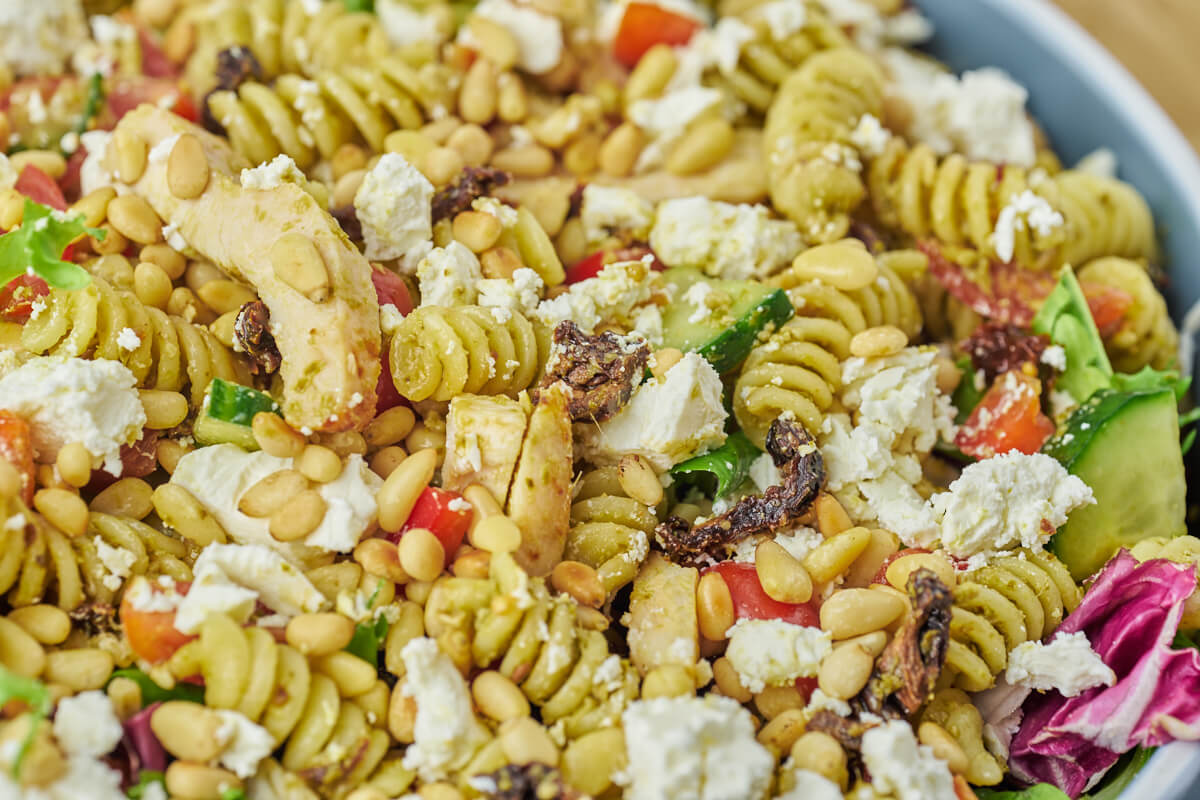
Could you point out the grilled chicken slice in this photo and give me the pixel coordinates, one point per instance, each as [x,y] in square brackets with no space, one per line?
[327,334]
[540,498]
[483,443]
[662,616]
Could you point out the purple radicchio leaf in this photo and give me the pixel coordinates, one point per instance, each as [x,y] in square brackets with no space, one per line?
[146,752]
[1130,615]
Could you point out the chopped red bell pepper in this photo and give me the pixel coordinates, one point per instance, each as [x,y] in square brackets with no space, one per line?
[1009,417]
[445,514]
[16,447]
[750,600]
[646,24]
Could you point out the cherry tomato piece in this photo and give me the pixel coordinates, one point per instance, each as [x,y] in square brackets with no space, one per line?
[16,447]
[16,298]
[443,513]
[1009,417]
[750,601]
[645,25]
[152,634]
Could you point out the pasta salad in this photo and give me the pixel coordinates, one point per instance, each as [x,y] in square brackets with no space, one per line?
[572,398]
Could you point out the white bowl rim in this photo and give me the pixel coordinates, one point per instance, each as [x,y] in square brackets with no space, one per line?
[1175,767]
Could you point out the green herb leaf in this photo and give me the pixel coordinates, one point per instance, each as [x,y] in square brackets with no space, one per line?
[35,694]
[153,693]
[233,794]
[1039,791]
[360,5]
[722,470]
[967,395]
[95,96]
[367,638]
[1067,320]
[145,778]
[38,245]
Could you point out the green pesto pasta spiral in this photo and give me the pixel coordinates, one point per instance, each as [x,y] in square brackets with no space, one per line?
[441,352]
[153,552]
[284,37]
[37,561]
[306,119]
[610,531]
[843,282]
[1014,599]
[797,371]
[814,170]
[171,352]
[311,707]
[951,709]
[1104,217]
[1147,336]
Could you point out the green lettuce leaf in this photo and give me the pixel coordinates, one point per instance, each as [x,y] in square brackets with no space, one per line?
[722,470]
[145,778]
[38,245]
[1067,320]
[369,635]
[153,693]
[1039,791]
[966,395]
[34,694]
[360,5]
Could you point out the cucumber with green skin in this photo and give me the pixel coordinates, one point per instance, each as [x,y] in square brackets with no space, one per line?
[726,335]
[1125,446]
[229,408]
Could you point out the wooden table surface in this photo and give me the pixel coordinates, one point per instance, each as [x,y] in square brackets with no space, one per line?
[1159,42]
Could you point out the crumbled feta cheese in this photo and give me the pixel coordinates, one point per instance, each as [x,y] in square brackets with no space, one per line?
[446,733]
[764,473]
[664,119]
[406,26]
[448,276]
[174,238]
[94,403]
[869,136]
[16,522]
[142,595]
[273,173]
[162,151]
[518,295]
[218,476]
[117,562]
[128,340]
[1055,356]
[231,578]
[666,421]
[246,743]
[539,36]
[93,173]
[648,323]
[606,209]
[770,652]
[809,785]
[1068,665]
[981,115]
[696,296]
[86,726]
[1024,211]
[506,214]
[693,748]
[8,173]
[394,206]
[783,17]
[723,239]
[38,38]
[389,319]
[1007,501]
[899,765]
[611,296]
[819,701]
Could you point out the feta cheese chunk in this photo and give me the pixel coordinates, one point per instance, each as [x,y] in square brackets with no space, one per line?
[246,743]
[219,475]
[231,578]
[539,36]
[94,403]
[809,785]
[903,768]
[770,652]
[518,295]
[1007,501]
[406,26]
[1025,211]
[271,174]
[8,173]
[725,240]
[693,748]
[446,733]
[783,17]
[664,119]
[607,209]
[666,421]
[38,38]
[86,726]
[448,276]
[614,295]
[1068,665]
[394,206]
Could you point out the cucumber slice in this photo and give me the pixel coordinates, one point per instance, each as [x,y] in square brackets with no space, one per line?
[1125,445]
[726,334]
[228,411]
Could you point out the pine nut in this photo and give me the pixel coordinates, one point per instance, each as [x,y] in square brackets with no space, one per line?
[702,147]
[883,340]
[524,161]
[832,519]
[439,791]
[668,680]
[188,730]
[116,269]
[496,534]
[781,732]
[494,41]
[187,780]
[639,480]
[64,510]
[389,427]
[442,165]
[352,675]
[168,453]
[299,264]
[151,285]
[93,205]
[387,459]
[400,490]
[11,479]
[346,188]
[171,262]
[112,242]
[223,327]
[185,304]
[774,700]
[271,493]
[498,697]
[525,741]
[651,74]
[582,156]
[48,624]
[319,634]
[402,716]
[948,374]
[483,505]
[135,219]
[74,464]
[129,151]
[225,295]
[499,262]
[187,168]
[844,265]
[125,696]
[821,753]
[276,437]
[128,497]
[783,577]
[844,672]
[421,554]
[347,158]
[590,762]
[472,143]
[380,558]
[512,102]
[872,642]
[477,95]
[318,463]
[413,145]
[475,564]
[301,516]
[663,361]
[163,409]
[834,556]
[852,612]
[199,273]
[179,509]
[578,580]
[550,205]
[80,669]
[944,746]
[714,606]
[866,566]
[899,570]
[48,161]
[477,230]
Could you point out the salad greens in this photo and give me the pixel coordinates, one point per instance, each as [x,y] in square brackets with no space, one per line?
[1115,781]
[368,635]
[153,693]
[35,694]
[722,470]
[146,778]
[37,246]
[91,107]
[1067,320]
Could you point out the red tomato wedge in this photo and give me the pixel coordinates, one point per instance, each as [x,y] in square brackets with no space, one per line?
[40,188]
[592,265]
[881,574]
[645,25]
[1108,305]
[16,447]
[16,298]
[750,601]
[443,513]
[152,634]
[155,63]
[128,93]
[1009,417]
[391,289]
